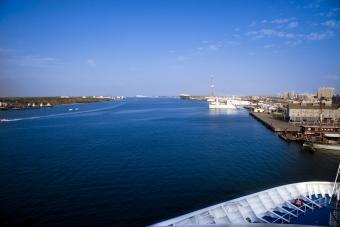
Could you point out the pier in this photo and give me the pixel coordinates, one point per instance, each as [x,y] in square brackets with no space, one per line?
[274,124]
[285,130]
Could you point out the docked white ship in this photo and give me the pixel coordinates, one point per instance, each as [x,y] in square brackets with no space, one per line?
[220,103]
[216,102]
[300,204]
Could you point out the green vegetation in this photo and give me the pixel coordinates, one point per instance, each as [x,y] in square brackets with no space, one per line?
[37,102]
[278,116]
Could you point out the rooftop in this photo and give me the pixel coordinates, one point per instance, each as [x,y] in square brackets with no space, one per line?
[312,106]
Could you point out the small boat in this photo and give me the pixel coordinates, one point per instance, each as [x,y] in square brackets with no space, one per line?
[70,109]
[3,120]
[299,204]
[76,109]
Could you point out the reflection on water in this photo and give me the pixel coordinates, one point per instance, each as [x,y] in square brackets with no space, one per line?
[319,152]
[224,111]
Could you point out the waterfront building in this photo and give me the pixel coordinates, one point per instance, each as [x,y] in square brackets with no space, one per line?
[288,95]
[313,113]
[326,93]
[309,99]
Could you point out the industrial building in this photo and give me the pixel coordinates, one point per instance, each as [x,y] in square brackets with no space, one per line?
[313,113]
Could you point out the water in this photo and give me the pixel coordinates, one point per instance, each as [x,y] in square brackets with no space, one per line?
[139,161]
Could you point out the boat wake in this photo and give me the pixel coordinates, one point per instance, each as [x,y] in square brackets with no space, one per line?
[6,120]
[62,114]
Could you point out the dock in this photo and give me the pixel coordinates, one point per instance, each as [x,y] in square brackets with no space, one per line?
[276,125]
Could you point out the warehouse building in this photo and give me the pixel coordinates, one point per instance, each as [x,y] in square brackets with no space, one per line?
[312,114]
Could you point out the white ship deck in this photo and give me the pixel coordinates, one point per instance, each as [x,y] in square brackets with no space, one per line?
[275,205]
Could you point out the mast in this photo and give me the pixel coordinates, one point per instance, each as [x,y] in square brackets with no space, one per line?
[212,86]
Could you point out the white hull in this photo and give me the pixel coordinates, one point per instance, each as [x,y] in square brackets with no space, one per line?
[217,103]
[254,207]
[319,146]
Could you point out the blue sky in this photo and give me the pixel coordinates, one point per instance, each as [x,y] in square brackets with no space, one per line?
[168,47]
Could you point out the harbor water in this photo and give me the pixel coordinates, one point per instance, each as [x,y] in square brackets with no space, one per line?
[139,161]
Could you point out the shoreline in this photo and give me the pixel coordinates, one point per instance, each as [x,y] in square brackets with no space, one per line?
[24,103]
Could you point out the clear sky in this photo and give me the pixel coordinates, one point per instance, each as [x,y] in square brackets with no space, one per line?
[168,47]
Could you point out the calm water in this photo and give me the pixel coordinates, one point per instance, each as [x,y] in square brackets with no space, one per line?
[140,161]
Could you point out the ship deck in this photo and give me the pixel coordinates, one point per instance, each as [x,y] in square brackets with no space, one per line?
[273,206]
